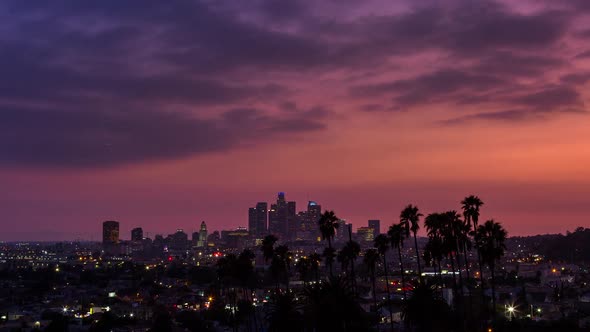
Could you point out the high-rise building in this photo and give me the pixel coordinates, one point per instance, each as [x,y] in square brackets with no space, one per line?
[375,224]
[257,220]
[365,234]
[342,231]
[280,216]
[137,234]
[110,232]
[110,236]
[308,221]
[178,241]
[202,235]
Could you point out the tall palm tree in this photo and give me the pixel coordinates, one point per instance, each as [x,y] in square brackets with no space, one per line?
[456,231]
[303,266]
[370,259]
[352,250]
[396,235]
[434,224]
[490,243]
[284,256]
[410,218]
[314,264]
[342,258]
[268,246]
[382,245]
[328,225]
[329,255]
[471,205]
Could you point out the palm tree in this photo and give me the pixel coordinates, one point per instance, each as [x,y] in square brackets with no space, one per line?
[314,264]
[370,259]
[352,250]
[490,244]
[284,256]
[425,311]
[267,246]
[342,258]
[329,255]
[303,266]
[284,314]
[470,206]
[382,245]
[434,224]
[328,225]
[410,217]
[396,235]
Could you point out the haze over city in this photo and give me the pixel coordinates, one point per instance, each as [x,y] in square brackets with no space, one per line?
[164,116]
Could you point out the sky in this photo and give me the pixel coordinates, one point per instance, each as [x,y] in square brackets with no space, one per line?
[162,114]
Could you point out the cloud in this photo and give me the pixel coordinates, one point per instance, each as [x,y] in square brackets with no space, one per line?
[95,138]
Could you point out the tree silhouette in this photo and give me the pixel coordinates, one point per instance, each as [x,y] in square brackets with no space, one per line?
[425,311]
[328,223]
[370,259]
[284,314]
[410,218]
[267,247]
[396,236]
[490,244]
[382,245]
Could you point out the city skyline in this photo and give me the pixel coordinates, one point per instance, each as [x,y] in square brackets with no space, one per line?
[158,114]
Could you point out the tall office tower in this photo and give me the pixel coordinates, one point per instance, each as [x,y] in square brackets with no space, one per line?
[195,239]
[257,220]
[342,231]
[293,223]
[365,234]
[314,213]
[202,235]
[280,216]
[375,224]
[110,232]
[178,240]
[110,236]
[137,234]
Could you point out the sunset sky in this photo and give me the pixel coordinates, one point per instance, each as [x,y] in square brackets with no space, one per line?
[161,114]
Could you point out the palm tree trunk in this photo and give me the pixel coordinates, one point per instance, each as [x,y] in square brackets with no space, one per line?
[457,256]
[483,295]
[388,293]
[330,260]
[418,258]
[493,292]
[374,286]
[454,277]
[401,264]
[440,279]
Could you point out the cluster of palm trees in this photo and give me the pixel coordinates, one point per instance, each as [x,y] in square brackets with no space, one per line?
[451,238]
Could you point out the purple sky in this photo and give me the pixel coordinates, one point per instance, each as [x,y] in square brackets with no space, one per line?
[162,114]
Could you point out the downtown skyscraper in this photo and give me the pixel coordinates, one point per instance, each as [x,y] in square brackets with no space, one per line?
[258,219]
[282,218]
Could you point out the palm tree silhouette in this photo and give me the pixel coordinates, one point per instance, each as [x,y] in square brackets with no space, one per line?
[351,251]
[284,314]
[267,246]
[490,243]
[303,267]
[471,205]
[328,225]
[329,255]
[370,259]
[435,246]
[396,235]
[314,265]
[382,245]
[410,218]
